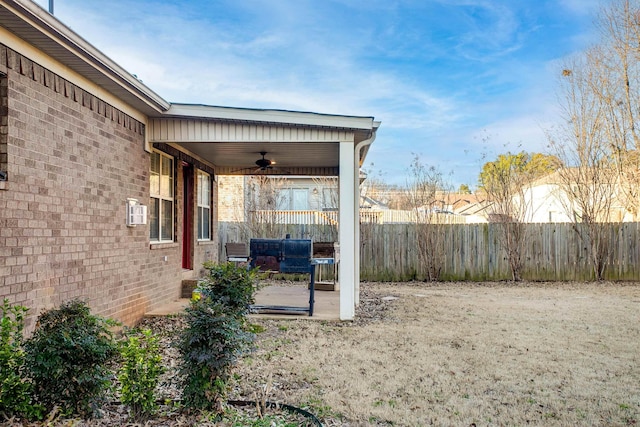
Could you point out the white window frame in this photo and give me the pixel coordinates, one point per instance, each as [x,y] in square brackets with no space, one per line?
[203,199]
[161,188]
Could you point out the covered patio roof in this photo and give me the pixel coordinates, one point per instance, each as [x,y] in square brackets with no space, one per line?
[230,140]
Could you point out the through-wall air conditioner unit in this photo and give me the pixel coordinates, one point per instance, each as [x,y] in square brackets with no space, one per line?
[136,213]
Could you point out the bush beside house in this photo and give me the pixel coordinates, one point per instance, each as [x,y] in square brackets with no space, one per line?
[68,363]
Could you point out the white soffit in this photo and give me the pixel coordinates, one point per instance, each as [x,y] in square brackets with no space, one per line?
[272,116]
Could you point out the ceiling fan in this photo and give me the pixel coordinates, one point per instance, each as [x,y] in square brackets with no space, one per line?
[265,163]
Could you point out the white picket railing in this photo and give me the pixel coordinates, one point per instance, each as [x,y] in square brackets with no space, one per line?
[309,217]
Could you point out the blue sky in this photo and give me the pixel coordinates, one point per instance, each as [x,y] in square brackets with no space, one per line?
[456,82]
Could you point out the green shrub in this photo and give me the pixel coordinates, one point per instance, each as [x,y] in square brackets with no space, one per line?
[68,358]
[229,284]
[140,372]
[15,390]
[210,345]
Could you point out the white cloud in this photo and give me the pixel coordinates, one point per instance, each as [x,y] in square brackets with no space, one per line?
[435,93]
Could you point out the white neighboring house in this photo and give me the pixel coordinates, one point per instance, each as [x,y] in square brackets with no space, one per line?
[238,196]
[474,212]
[547,202]
[297,199]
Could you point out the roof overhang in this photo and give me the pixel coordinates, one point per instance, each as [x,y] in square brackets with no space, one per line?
[34,25]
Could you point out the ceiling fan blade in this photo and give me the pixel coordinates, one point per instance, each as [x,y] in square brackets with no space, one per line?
[263,164]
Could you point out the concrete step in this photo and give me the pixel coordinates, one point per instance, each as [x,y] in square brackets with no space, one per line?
[188,285]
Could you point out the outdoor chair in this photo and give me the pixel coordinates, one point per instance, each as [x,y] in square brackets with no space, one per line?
[236,252]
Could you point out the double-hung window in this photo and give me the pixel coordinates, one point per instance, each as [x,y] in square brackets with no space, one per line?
[161,210]
[204,206]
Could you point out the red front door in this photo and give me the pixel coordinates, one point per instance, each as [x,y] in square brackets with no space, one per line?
[187,216]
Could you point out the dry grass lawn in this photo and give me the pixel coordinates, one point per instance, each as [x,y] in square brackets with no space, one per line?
[462,354]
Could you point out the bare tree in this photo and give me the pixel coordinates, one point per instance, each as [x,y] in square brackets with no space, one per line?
[264,198]
[507,183]
[600,139]
[426,194]
[589,185]
[328,196]
[327,199]
[614,79]
[390,195]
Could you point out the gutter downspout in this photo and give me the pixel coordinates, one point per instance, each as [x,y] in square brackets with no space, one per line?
[358,147]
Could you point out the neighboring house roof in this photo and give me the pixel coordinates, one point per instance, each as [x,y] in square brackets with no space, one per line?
[459,200]
[561,175]
[477,208]
[371,203]
[553,178]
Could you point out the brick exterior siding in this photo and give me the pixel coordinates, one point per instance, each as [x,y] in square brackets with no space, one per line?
[231,193]
[72,162]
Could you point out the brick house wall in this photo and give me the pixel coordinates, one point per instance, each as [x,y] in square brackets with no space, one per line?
[72,162]
[231,206]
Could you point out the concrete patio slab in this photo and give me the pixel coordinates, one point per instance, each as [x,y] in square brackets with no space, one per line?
[326,307]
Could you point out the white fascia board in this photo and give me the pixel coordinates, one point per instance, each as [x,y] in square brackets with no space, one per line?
[46,23]
[272,116]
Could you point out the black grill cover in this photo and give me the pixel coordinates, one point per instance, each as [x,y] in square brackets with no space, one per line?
[284,255]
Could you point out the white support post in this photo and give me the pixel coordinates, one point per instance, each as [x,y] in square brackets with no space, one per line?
[347,236]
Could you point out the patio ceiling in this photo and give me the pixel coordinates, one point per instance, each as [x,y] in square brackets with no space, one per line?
[238,158]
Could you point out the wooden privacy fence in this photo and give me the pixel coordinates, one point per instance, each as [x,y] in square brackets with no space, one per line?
[473,252]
